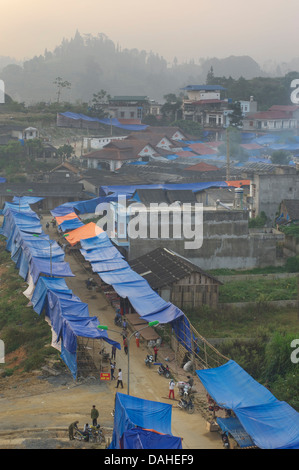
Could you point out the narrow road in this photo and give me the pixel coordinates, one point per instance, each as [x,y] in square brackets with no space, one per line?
[56,404]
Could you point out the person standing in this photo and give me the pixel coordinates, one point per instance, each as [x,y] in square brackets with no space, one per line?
[137,336]
[120,379]
[113,352]
[94,414]
[112,368]
[171,389]
[156,352]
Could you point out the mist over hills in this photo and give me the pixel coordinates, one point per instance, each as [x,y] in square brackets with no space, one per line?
[94,63]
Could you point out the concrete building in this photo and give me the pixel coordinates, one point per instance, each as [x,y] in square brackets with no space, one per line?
[206,106]
[227,241]
[268,189]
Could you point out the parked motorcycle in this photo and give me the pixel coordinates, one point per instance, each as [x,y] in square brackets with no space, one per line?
[185,389]
[225,440]
[117,320]
[149,360]
[164,370]
[186,405]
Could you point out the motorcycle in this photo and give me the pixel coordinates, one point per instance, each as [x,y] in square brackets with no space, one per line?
[186,405]
[117,321]
[149,360]
[164,370]
[225,440]
[96,434]
[184,389]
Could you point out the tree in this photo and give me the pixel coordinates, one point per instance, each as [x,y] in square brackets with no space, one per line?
[236,117]
[210,77]
[280,157]
[61,84]
[65,151]
[99,104]
[190,127]
[171,109]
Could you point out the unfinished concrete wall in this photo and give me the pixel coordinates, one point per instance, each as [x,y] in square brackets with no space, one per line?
[227,243]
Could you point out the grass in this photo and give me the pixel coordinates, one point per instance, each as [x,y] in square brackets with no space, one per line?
[259,290]
[20,326]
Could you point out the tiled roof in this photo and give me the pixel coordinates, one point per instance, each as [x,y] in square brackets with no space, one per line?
[163,267]
[202,166]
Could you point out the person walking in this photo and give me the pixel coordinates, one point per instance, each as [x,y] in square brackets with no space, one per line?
[120,379]
[171,389]
[137,336]
[94,414]
[125,343]
[113,352]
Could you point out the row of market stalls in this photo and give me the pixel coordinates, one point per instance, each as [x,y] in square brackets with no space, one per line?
[259,419]
[41,263]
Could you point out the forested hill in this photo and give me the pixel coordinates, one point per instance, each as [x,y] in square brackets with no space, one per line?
[92,63]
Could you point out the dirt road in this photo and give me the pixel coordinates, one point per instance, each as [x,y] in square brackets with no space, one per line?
[37,402]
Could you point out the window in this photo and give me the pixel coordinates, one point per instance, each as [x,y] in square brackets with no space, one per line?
[132,114]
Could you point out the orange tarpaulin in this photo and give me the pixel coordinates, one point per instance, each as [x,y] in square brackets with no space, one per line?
[70,216]
[86,231]
[238,183]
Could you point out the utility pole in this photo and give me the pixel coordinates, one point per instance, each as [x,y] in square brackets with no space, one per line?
[227,156]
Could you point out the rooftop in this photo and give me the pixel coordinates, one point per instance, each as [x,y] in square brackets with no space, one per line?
[163,267]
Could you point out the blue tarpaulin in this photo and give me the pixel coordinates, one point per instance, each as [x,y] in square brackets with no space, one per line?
[129,190]
[270,423]
[39,266]
[233,426]
[27,199]
[139,438]
[109,122]
[132,411]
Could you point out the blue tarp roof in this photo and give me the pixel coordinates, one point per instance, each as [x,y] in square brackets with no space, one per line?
[27,199]
[233,426]
[132,411]
[271,424]
[82,207]
[139,438]
[129,190]
[109,122]
[39,266]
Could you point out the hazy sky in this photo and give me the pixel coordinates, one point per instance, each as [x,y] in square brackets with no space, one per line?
[263,29]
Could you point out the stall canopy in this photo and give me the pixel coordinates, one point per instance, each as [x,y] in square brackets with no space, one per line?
[86,231]
[39,266]
[131,413]
[270,423]
[139,438]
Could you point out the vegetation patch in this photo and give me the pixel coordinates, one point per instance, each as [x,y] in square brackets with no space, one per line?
[259,340]
[26,335]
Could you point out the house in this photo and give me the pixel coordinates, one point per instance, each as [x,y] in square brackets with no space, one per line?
[277,118]
[162,196]
[54,194]
[248,106]
[205,105]
[176,279]
[269,185]
[128,108]
[171,132]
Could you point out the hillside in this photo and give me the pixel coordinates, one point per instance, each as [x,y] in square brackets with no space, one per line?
[94,63]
